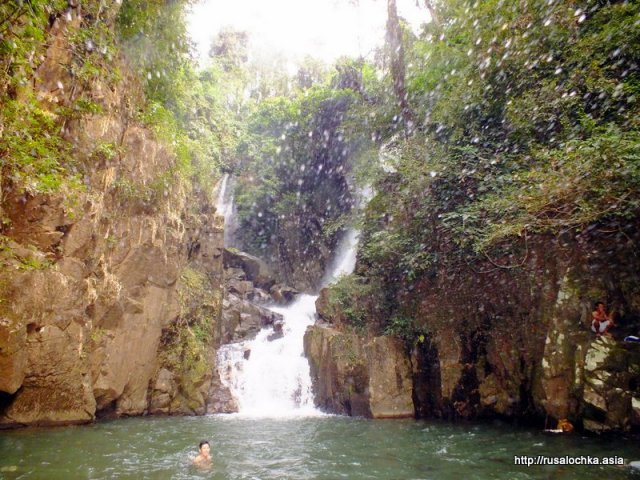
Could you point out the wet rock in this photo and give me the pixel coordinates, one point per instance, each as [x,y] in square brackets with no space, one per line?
[283,294]
[242,320]
[450,360]
[163,392]
[239,287]
[13,354]
[255,269]
[494,397]
[56,389]
[231,273]
[277,332]
[349,376]
[339,371]
[219,398]
[606,397]
[326,312]
[390,380]
[259,296]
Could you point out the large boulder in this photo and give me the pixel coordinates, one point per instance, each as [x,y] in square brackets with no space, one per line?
[390,379]
[242,320]
[607,396]
[354,377]
[56,385]
[283,293]
[13,354]
[255,269]
[220,399]
[339,371]
[164,390]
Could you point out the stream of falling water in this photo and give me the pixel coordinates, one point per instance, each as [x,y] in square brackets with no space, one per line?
[226,208]
[274,380]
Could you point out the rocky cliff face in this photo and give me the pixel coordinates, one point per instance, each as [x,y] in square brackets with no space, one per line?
[508,342]
[91,283]
[352,376]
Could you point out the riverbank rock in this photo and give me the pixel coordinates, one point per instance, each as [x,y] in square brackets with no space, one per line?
[608,394]
[220,399]
[353,377]
[512,342]
[283,294]
[339,371]
[255,269]
[242,320]
[90,285]
[390,380]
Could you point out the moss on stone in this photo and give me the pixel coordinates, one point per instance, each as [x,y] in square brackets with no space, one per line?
[187,344]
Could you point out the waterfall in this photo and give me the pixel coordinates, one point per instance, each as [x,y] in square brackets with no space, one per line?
[226,208]
[345,260]
[275,381]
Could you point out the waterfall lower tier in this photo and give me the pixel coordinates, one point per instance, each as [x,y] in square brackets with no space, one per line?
[274,380]
[269,376]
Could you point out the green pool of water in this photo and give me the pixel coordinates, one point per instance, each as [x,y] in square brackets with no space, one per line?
[301,448]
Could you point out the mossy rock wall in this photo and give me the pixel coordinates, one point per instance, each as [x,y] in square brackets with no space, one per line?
[90,274]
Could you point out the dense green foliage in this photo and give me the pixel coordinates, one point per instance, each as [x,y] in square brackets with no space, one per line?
[34,154]
[531,123]
[23,28]
[526,124]
[298,144]
[299,157]
[187,107]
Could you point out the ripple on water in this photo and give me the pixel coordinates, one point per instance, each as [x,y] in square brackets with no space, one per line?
[325,448]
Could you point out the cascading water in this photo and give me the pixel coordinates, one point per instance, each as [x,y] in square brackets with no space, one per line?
[274,380]
[225,207]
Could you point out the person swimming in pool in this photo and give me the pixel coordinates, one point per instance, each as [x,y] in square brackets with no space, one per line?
[204,455]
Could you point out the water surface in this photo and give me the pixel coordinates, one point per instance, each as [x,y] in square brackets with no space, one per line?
[323,448]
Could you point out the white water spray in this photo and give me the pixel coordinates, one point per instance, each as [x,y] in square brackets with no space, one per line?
[275,380]
[225,207]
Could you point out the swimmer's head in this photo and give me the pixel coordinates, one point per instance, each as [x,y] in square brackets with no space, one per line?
[204,446]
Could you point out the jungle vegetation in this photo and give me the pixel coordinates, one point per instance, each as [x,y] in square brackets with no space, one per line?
[500,121]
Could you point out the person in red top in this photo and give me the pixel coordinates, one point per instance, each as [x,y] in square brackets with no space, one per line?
[601,322]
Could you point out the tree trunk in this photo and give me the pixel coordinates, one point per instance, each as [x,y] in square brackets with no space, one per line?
[432,12]
[396,54]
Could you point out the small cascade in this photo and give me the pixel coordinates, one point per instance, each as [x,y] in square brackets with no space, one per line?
[222,191]
[345,259]
[269,377]
[226,208]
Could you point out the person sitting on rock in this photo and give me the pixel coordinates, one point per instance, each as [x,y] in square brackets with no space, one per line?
[601,322]
[565,426]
